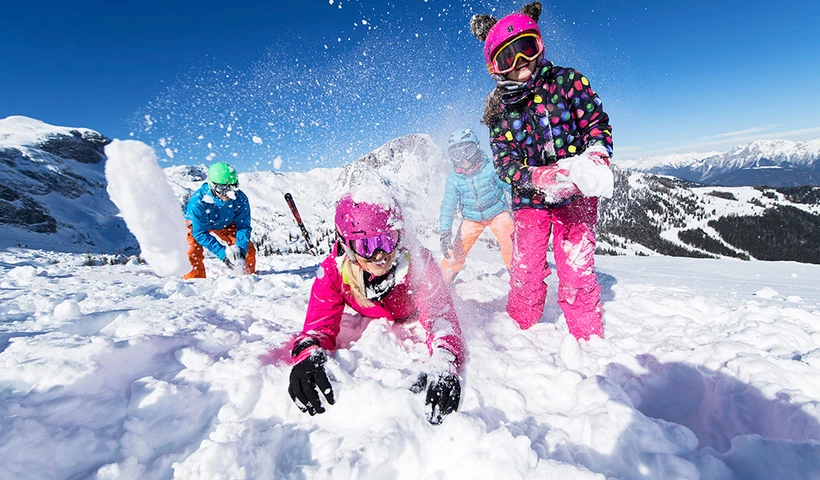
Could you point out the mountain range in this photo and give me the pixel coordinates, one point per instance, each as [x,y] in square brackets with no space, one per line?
[53,197]
[773,163]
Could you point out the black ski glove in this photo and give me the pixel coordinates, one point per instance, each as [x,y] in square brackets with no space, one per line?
[233,255]
[446,242]
[443,394]
[305,378]
[443,388]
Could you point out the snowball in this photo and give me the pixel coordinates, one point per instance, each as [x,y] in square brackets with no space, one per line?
[67,310]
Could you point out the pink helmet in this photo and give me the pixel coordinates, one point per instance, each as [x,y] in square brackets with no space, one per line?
[365,217]
[505,30]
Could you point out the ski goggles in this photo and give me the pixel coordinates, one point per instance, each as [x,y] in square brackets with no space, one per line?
[527,46]
[465,151]
[367,247]
[224,190]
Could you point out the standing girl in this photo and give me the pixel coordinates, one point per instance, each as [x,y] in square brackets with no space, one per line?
[551,140]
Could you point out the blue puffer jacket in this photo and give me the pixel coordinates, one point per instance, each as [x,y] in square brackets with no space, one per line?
[481,196]
[206,212]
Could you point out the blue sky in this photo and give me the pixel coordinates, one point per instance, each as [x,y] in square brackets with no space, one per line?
[297,85]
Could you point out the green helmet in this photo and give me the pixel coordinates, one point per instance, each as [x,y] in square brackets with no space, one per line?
[221,173]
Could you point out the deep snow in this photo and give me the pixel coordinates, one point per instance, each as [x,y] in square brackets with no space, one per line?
[710,369]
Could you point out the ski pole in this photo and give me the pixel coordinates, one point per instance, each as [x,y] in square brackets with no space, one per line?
[295,212]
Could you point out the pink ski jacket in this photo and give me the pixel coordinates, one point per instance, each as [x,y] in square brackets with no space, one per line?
[419,293]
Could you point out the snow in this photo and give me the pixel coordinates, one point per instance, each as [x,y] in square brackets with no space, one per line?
[114,372]
[747,155]
[17,130]
[710,368]
[708,371]
[592,179]
[139,188]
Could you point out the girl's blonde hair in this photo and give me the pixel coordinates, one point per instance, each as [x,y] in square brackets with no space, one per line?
[353,275]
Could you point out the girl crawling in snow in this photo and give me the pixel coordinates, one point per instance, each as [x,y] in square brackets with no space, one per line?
[371,270]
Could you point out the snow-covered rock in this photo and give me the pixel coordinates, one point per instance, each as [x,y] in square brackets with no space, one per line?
[52,190]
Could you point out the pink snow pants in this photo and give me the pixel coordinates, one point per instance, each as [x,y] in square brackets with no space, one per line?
[573,239]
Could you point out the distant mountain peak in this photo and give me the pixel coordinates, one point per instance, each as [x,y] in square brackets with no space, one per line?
[778,163]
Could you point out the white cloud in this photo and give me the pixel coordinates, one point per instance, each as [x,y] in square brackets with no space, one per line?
[741,132]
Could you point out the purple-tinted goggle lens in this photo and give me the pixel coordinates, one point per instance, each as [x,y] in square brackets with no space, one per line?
[366,247]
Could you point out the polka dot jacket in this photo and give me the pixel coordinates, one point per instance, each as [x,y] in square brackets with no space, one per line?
[554,116]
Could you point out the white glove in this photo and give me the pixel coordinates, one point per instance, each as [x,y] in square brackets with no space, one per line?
[590,172]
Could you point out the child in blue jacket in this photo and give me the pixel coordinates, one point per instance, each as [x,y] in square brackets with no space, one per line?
[218,209]
[475,190]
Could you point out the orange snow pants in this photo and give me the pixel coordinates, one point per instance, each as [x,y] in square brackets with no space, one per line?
[468,232]
[196,253]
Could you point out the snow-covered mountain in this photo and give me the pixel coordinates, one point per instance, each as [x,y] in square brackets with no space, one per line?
[652,214]
[774,163]
[52,190]
[649,214]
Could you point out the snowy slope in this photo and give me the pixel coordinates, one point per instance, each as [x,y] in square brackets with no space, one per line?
[775,163]
[710,370]
[650,214]
[52,190]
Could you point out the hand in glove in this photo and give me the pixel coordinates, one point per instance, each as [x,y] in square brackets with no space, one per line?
[446,242]
[234,258]
[308,375]
[553,181]
[590,172]
[443,387]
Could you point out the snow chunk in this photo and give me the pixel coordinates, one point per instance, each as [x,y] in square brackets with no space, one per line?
[766,292]
[68,310]
[23,274]
[139,188]
[592,179]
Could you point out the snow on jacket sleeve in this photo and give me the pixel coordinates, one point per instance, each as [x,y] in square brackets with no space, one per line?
[242,220]
[325,307]
[448,204]
[588,113]
[437,313]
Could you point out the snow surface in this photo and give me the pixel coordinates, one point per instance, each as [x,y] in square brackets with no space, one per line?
[710,369]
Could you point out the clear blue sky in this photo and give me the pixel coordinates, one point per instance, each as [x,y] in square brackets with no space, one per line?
[321,82]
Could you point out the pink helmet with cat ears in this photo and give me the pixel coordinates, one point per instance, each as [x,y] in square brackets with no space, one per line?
[505,30]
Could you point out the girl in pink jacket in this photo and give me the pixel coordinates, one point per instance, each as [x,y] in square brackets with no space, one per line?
[374,269]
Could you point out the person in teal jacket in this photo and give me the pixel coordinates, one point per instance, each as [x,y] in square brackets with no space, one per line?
[218,209]
[474,189]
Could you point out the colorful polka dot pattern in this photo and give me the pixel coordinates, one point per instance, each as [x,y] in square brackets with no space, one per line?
[559,117]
